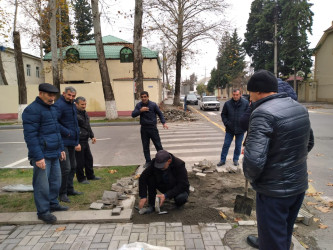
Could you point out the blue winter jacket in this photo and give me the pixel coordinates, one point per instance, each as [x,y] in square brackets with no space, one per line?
[67,119]
[148,118]
[285,87]
[41,131]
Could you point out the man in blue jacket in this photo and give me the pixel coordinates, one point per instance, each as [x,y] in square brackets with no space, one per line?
[231,113]
[42,136]
[278,141]
[147,110]
[70,131]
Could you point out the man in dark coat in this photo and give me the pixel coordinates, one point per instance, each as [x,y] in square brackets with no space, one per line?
[42,136]
[69,129]
[84,158]
[167,174]
[275,157]
[231,113]
[147,110]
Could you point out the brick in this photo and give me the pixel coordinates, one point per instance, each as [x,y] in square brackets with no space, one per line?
[116,211]
[98,245]
[180,248]
[206,236]
[120,237]
[105,231]
[175,243]
[44,240]
[213,243]
[71,238]
[71,231]
[200,174]
[134,237]
[195,229]
[222,233]
[25,240]
[36,233]
[189,243]
[7,227]
[170,236]
[97,238]
[215,236]
[174,229]
[19,247]
[37,227]
[161,229]
[139,230]
[126,231]
[108,225]
[84,238]
[152,230]
[38,246]
[23,233]
[96,206]
[223,226]
[14,234]
[192,236]
[106,238]
[122,242]
[118,230]
[140,226]
[78,226]
[174,224]
[85,245]
[160,242]
[34,240]
[61,246]
[187,229]
[143,237]
[76,246]
[48,233]
[153,224]
[156,236]
[179,236]
[92,231]
[11,241]
[27,227]
[152,242]
[198,243]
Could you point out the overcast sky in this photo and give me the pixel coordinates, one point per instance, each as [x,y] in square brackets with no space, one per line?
[205,60]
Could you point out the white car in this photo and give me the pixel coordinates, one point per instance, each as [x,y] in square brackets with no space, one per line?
[209,102]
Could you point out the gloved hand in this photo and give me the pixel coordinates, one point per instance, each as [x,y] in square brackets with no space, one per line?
[146,210]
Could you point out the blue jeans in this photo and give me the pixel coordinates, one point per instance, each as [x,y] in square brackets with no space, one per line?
[68,169]
[227,142]
[276,218]
[46,183]
[148,133]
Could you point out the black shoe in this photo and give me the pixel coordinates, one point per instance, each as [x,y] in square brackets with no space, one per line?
[147,164]
[58,208]
[221,163]
[64,198]
[253,241]
[75,193]
[236,163]
[96,178]
[84,182]
[48,218]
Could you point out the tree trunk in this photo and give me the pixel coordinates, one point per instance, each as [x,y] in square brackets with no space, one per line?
[2,71]
[61,59]
[53,38]
[110,104]
[39,7]
[137,38]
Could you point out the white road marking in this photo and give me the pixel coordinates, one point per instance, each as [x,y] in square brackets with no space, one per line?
[15,163]
[11,142]
[211,113]
[103,139]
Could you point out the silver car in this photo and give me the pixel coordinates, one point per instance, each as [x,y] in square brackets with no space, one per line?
[209,103]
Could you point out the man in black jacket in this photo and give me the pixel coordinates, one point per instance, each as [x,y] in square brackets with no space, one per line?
[167,174]
[275,156]
[84,158]
[231,113]
[147,110]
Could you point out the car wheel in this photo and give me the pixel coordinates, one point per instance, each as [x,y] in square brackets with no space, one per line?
[218,109]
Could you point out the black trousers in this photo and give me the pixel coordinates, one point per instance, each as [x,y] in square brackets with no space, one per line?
[148,133]
[84,162]
[68,171]
[180,199]
[276,218]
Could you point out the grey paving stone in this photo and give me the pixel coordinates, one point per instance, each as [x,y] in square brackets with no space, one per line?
[174,224]
[120,237]
[179,236]
[187,229]
[206,236]
[25,240]
[44,240]
[57,233]
[113,245]
[23,233]
[48,233]
[2,237]
[152,242]
[198,243]
[14,234]
[45,227]
[38,246]
[213,243]
[78,226]
[134,237]
[220,248]
[108,225]
[98,245]
[170,236]
[160,242]
[208,229]
[84,231]
[122,242]
[247,223]
[76,246]
[105,231]
[97,206]
[70,226]
[60,246]
[152,230]
[223,226]
[153,224]
[189,243]
[7,227]
[34,240]
[71,231]
[156,236]
[160,229]
[140,230]
[71,238]
[143,237]
[195,229]
[180,248]
[174,229]
[222,233]
[62,239]
[215,236]
[84,238]
[126,231]
[192,236]
[118,230]
[37,227]
[47,245]
[11,241]
[98,238]
[85,245]
[175,243]
[140,226]
[93,230]
[106,238]
[3,232]
[36,233]
[210,248]
[21,247]
[26,227]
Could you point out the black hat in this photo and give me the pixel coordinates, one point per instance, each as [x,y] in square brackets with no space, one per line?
[263,81]
[161,158]
[49,88]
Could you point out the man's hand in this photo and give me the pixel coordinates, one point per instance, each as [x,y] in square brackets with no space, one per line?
[62,156]
[78,147]
[144,109]
[165,126]
[142,202]
[162,198]
[41,163]
[93,140]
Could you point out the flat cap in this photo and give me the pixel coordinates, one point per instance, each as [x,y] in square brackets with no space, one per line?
[161,158]
[49,88]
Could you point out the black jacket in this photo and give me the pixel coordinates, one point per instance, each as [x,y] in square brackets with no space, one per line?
[148,118]
[277,146]
[84,125]
[231,114]
[177,178]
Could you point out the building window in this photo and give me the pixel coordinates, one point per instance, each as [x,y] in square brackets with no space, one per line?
[72,55]
[126,55]
[37,72]
[28,70]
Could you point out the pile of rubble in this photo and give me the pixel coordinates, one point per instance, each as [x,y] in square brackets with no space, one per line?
[172,115]
[204,167]
[121,196]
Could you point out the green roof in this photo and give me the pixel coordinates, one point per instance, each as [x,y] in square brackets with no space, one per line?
[106,39]
[87,50]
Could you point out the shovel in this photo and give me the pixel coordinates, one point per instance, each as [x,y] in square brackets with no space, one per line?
[243,204]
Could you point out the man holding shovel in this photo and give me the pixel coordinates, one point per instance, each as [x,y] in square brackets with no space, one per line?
[275,160]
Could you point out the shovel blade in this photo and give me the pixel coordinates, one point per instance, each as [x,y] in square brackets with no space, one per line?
[243,205]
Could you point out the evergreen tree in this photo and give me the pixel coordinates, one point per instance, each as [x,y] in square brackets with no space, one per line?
[83,20]
[294,21]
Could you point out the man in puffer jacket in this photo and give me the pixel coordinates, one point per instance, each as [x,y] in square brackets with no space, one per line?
[285,87]
[275,159]
[42,136]
[69,129]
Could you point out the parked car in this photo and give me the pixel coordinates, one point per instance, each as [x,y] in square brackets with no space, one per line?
[182,97]
[191,99]
[209,102]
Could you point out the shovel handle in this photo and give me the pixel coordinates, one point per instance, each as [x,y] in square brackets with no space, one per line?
[246,187]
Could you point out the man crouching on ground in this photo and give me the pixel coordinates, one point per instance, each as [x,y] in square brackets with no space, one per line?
[167,174]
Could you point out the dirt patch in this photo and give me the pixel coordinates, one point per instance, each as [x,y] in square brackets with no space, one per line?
[216,190]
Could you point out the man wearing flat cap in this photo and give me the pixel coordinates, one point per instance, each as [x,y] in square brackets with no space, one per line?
[45,148]
[167,174]
[275,157]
